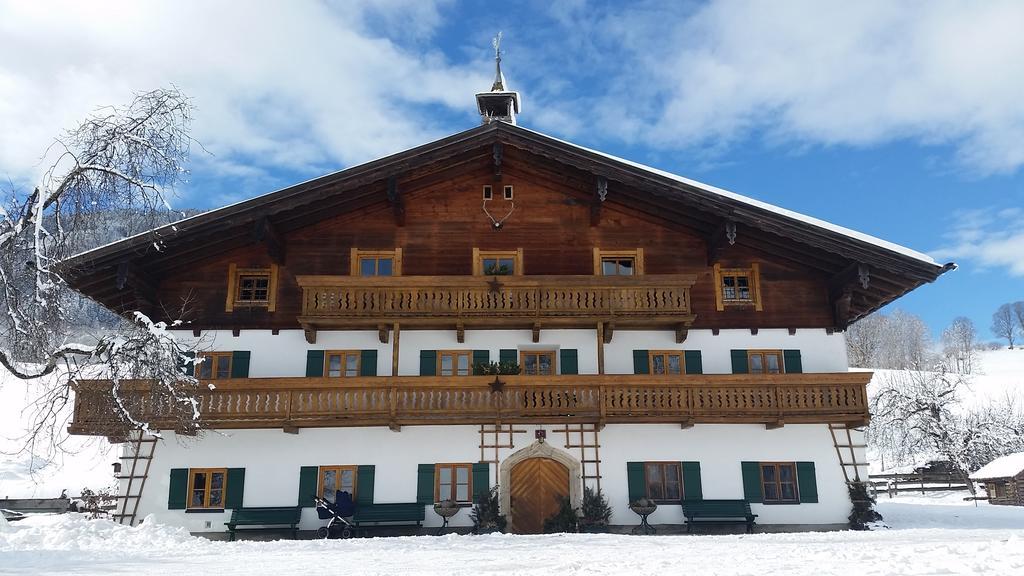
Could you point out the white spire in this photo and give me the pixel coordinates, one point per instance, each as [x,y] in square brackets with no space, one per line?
[500,103]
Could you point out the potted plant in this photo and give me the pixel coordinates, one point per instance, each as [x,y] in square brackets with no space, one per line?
[643,507]
[595,512]
[496,369]
[486,516]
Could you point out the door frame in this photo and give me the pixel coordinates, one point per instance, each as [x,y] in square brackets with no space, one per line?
[539,449]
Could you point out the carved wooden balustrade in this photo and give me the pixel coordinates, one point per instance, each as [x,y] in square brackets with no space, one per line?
[448,301]
[414,400]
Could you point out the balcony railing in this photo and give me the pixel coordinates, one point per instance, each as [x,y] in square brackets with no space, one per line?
[445,301]
[411,400]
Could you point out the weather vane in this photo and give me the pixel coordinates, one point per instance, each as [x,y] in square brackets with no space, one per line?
[496,42]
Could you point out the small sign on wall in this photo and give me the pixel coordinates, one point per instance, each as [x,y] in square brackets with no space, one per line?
[540,434]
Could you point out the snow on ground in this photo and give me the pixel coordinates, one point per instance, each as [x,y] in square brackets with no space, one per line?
[936,534]
[85,463]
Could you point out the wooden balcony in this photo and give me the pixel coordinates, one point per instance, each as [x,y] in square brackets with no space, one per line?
[352,302]
[292,403]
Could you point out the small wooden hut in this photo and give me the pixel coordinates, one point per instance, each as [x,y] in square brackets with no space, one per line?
[1003,479]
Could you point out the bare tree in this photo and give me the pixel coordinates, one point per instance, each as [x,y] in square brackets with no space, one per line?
[959,342]
[1003,324]
[864,340]
[1018,315]
[127,157]
[906,343]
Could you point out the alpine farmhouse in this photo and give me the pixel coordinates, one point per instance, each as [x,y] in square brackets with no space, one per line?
[671,341]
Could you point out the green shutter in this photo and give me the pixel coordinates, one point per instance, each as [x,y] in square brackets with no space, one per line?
[425,484]
[314,363]
[309,479]
[692,489]
[568,361]
[637,484]
[186,364]
[739,362]
[481,358]
[752,481]
[240,363]
[481,480]
[428,362]
[694,364]
[641,363]
[368,363]
[806,481]
[177,494]
[364,484]
[508,356]
[792,361]
[236,487]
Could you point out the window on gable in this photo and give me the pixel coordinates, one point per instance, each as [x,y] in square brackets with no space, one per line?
[206,487]
[618,262]
[737,287]
[537,363]
[454,363]
[376,262]
[334,478]
[214,366]
[251,288]
[765,362]
[666,362]
[497,262]
[778,482]
[342,363]
[453,482]
[664,481]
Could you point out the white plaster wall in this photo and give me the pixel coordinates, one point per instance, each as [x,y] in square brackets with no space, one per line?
[272,460]
[285,353]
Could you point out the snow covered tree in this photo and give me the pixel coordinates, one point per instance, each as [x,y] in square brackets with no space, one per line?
[864,340]
[918,414]
[959,341]
[1004,324]
[1018,315]
[121,158]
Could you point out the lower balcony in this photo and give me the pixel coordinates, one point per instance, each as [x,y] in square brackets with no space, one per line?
[293,403]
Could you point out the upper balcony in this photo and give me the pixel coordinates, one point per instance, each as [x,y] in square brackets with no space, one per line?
[292,403]
[457,302]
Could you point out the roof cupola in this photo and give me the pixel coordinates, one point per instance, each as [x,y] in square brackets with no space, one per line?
[499,103]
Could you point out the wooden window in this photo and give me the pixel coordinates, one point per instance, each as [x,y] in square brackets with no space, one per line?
[537,362]
[252,288]
[664,481]
[738,287]
[488,192]
[342,363]
[765,362]
[508,192]
[376,262]
[454,362]
[497,262]
[214,366]
[334,478]
[207,487]
[666,362]
[618,262]
[453,482]
[778,483]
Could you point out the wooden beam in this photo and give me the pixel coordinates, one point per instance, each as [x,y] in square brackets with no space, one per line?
[724,234]
[394,349]
[382,333]
[775,424]
[290,429]
[686,424]
[600,194]
[497,155]
[600,347]
[682,331]
[460,333]
[309,332]
[395,201]
[264,232]
[609,331]
[130,276]
[536,332]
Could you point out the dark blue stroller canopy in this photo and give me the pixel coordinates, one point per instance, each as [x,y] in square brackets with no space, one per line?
[342,507]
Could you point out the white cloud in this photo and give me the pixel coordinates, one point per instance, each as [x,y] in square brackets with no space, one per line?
[300,85]
[854,73]
[993,238]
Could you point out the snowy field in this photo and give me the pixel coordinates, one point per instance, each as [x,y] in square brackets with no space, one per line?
[937,534]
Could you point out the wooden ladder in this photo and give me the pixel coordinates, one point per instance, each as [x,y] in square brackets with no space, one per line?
[846,451]
[136,476]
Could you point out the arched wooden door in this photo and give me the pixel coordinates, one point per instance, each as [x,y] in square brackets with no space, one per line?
[537,487]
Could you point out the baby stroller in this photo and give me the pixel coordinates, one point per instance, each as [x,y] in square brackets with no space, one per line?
[338,512]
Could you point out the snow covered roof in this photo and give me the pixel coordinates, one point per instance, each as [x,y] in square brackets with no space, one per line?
[1004,467]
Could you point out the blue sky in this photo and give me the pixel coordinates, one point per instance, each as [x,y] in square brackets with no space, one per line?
[902,120]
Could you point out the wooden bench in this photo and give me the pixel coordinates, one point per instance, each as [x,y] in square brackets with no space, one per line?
[718,512]
[397,514]
[265,519]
